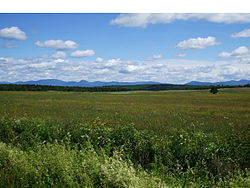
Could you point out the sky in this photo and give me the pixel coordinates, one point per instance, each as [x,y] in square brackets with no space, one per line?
[166,48]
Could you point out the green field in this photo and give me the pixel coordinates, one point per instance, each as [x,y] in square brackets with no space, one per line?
[125,139]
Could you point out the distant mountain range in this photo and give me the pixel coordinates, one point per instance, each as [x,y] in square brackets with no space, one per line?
[84,83]
[226,83]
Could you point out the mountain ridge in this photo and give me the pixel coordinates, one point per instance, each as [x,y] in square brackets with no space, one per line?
[81,83]
[84,83]
[228,83]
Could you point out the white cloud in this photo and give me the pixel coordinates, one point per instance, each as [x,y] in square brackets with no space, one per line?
[12,33]
[142,20]
[224,55]
[155,57]
[99,60]
[45,64]
[5,59]
[83,53]
[161,70]
[197,43]
[58,54]
[13,61]
[244,33]
[241,54]
[130,69]
[59,61]
[240,51]
[40,65]
[58,44]
[181,55]
[113,62]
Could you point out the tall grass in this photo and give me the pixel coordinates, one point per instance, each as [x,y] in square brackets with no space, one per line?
[47,153]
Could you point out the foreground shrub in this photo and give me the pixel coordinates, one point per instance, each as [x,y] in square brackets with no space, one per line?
[56,165]
[47,153]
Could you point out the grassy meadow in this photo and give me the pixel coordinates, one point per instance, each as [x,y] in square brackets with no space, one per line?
[125,139]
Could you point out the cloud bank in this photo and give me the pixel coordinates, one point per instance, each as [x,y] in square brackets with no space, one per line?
[82,53]
[161,70]
[143,20]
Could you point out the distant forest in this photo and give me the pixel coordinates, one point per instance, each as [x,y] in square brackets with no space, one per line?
[146,87]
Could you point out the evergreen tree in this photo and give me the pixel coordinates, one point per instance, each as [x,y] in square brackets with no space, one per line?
[214,90]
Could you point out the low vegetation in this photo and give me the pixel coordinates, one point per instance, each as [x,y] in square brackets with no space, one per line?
[138,139]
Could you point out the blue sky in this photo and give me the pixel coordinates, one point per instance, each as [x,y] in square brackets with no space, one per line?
[168,48]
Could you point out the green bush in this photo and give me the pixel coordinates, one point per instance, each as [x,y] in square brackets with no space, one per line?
[57,165]
[214,90]
[34,152]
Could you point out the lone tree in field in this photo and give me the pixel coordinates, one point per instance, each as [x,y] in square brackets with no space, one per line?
[214,90]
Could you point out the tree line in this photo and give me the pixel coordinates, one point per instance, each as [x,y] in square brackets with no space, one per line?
[147,87]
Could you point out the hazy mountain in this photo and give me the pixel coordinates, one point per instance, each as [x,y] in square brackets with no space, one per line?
[5,83]
[229,83]
[52,82]
[84,83]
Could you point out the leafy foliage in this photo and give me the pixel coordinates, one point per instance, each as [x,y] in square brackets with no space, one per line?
[34,152]
[214,90]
